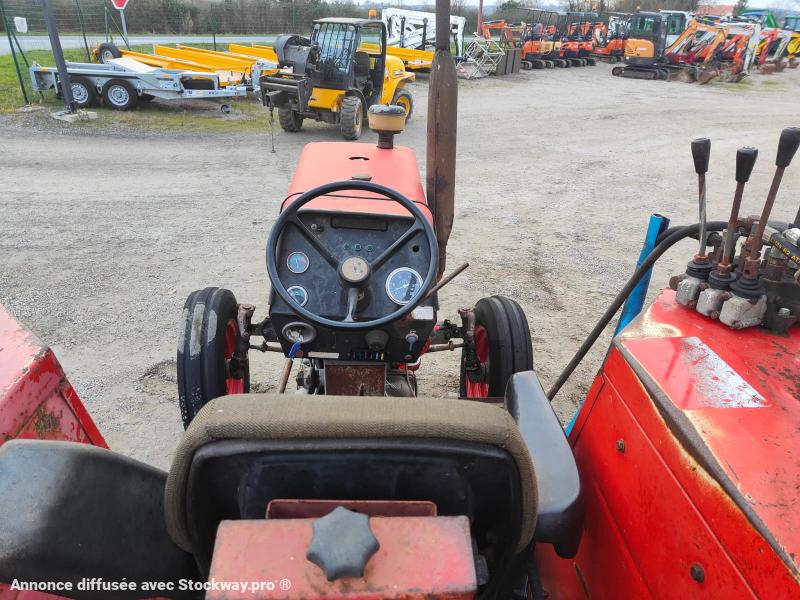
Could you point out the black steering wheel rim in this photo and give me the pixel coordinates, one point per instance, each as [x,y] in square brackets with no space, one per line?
[290,213]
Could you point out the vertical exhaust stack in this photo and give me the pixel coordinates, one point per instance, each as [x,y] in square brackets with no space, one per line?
[440,172]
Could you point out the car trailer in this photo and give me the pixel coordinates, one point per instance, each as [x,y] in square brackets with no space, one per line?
[123,82]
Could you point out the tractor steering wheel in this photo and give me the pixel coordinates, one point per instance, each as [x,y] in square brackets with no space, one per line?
[351,281]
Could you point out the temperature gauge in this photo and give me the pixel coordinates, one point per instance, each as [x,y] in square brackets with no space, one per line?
[299,294]
[402,285]
[297,262]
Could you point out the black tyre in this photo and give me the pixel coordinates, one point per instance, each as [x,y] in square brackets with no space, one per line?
[106,51]
[617,71]
[404,99]
[503,345]
[84,91]
[590,61]
[209,334]
[120,94]
[290,120]
[351,117]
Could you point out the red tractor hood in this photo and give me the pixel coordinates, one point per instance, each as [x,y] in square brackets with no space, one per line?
[733,399]
[327,162]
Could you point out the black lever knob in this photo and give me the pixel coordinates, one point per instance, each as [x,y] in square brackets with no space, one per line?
[701,150]
[342,543]
[745,159]
[787,146]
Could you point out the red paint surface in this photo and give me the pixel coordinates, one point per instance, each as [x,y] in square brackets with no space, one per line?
[653,511]
[419,558]
[36,400]
[325,162]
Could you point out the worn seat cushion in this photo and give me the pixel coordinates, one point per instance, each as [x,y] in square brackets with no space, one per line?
[289,417]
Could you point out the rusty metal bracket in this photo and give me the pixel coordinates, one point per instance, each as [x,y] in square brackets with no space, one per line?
[237,366]
[475,369]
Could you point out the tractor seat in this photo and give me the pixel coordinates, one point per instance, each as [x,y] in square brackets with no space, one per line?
[361,69]
[241,452]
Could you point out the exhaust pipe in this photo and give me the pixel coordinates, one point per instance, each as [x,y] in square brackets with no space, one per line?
[440,171]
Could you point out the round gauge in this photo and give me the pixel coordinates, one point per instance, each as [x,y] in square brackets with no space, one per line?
[297,262]
[402,285]
[299,294]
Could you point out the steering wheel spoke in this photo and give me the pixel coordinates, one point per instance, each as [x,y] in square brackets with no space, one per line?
[395,247]
[312,239]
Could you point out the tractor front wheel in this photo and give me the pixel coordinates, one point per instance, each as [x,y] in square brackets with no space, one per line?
[290,120]
[503,347]
[209,335]
[403,98]
[351,117]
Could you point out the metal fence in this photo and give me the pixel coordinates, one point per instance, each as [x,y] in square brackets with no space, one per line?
[83,24]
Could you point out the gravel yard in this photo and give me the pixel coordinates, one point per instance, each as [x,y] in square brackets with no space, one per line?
[105,230]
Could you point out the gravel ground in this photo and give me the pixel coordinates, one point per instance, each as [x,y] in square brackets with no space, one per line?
[104,233]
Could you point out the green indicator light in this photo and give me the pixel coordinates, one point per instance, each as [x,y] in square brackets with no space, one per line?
[358,247]
[370,248]
[347,246]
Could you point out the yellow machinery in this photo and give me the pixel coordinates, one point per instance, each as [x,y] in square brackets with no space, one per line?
[335,76]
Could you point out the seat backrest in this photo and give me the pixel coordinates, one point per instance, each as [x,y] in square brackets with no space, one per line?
[240,452]
[70,512]
[362,64]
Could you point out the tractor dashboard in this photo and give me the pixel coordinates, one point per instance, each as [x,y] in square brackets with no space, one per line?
[353,255]
[354,240]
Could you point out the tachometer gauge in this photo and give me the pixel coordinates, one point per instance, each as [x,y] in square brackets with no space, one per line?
[402,285]
[297,262]
[299,294]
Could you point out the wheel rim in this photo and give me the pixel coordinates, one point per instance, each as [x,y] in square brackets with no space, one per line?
[106,56]
[403,101]
[118,95]
[232,386]
[480,389]
[79,93]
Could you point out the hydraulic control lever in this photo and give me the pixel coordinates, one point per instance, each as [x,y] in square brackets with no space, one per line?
[745,160]
[687,286]
[748,305]
[716,292]
[701,151]
[787,147]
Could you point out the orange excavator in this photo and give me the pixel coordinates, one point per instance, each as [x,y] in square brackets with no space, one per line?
[609,37]
[577,44]
[541,41]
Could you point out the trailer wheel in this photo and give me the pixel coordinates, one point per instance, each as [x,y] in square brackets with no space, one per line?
[120,95]
[403,98]
[83,91]
[209,334]
[290,120]
[503,345]
[351,117]
[106,51]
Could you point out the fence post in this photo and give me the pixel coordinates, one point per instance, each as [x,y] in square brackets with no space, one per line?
[83,30]
[105,20]
[213,25]
[13,52]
